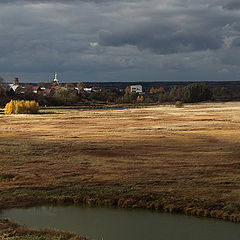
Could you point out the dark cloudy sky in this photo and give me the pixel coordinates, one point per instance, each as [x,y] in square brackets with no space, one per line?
[128,40]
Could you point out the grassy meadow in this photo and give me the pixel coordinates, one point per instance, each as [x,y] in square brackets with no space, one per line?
[165,158]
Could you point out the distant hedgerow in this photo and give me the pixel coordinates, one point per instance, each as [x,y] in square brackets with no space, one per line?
[21,107]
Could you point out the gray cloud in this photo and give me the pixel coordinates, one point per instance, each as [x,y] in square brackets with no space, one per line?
[236,42]
[172,29]
[232,5]
[225,4]
[133,40]
[162,42]
[56,1]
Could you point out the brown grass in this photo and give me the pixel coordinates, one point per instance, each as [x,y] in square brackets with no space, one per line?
[12,231]
[173,159]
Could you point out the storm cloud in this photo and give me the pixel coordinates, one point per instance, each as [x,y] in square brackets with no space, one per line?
[163,40]
[109,40]
[232,5]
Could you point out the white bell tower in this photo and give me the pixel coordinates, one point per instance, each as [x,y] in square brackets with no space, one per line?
[55,80]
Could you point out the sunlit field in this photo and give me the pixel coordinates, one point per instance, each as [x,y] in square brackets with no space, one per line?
[165,158]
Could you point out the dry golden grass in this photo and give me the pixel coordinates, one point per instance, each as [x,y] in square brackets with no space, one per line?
[12,231]
[185,159]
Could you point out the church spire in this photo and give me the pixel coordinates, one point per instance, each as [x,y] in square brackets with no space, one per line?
[55,80]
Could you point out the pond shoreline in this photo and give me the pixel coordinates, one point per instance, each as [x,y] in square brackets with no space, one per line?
[14,230]
[116,223]
[187,208]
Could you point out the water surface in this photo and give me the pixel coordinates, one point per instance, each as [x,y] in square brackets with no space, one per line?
[122,224]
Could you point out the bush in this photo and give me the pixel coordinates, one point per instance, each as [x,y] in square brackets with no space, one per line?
[179,104]
[140,99]
[20,107]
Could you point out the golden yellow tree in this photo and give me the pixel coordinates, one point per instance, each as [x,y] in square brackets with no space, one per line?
[9,108]
[140,98]
[20,107]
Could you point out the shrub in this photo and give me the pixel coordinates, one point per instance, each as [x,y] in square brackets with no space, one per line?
[140,98]
[179,104]
[20,107]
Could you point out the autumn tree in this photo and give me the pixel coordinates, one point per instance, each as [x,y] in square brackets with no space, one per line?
[140,98]
[81,85]
[20,107]
[69,85]
[3,93]
[127,90]
[196,92]
[65,97]
[156,90]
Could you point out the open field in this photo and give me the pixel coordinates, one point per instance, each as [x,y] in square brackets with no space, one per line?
[171,159]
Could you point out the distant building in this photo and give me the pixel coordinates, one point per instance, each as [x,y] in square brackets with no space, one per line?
[43,91]
[16,81]
[36,89]
[47,91]
[136,89]
[87,89]
[96,89]
[55,80]
[15,85]
[91,89]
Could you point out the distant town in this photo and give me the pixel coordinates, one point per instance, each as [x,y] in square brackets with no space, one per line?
[57,93]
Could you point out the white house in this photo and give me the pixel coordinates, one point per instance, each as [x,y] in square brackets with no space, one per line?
[15,85]
[87,89]
[136,89]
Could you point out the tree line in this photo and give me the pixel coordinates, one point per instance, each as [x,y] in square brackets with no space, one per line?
[68,94]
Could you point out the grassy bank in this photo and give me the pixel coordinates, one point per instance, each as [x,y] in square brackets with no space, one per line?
[12,231]
[165,158]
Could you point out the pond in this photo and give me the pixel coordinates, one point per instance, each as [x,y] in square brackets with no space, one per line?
[121,224]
